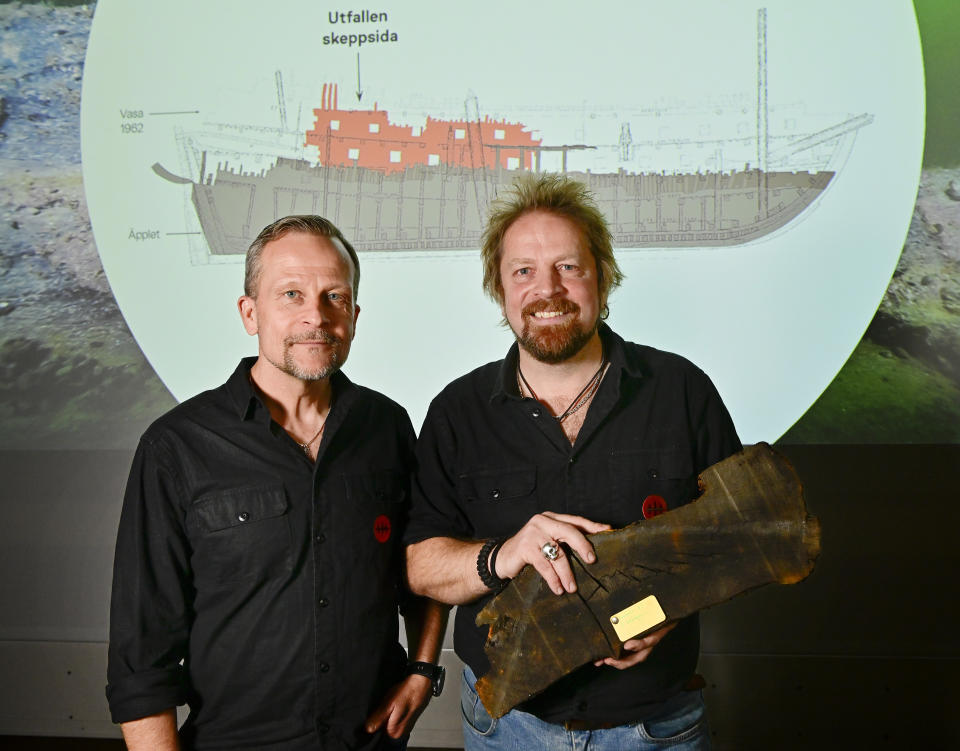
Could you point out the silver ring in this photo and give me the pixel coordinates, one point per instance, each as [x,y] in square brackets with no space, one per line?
[550,550]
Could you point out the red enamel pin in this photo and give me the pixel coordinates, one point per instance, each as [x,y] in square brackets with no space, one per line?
[382,528]
[653,505]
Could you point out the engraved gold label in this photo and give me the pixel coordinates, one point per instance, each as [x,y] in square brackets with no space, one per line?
[637,618]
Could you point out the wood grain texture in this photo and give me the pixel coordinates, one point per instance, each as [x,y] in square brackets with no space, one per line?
[748,528]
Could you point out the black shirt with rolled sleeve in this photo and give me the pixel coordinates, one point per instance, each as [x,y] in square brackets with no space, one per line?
[256,585]
[489,459]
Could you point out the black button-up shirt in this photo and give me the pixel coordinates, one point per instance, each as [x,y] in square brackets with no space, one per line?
[256,585]
[488,460]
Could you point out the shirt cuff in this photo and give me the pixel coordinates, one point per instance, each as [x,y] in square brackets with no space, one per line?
[146,693]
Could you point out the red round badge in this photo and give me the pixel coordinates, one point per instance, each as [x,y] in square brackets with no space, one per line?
[653,505]
[382,528]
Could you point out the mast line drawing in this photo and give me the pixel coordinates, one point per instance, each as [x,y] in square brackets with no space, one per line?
[428,187]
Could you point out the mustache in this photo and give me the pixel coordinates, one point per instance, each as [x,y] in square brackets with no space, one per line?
[560,305]
[316,335]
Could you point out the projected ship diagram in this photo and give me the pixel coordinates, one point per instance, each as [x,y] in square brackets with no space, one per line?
[427,184]
[758,185]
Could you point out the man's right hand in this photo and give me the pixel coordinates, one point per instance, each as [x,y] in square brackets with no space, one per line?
[445,568]
[526,546]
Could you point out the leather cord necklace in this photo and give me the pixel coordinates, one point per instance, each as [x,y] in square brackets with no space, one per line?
[586,393]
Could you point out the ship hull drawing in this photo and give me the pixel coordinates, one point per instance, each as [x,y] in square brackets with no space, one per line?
[437,208]
[391,186]
[396,187]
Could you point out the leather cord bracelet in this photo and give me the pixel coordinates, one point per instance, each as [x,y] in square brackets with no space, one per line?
[486,564]
[493,562]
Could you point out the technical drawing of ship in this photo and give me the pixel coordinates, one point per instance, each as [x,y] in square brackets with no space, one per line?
[392,187]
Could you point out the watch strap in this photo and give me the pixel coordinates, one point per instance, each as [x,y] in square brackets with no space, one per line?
[435,673]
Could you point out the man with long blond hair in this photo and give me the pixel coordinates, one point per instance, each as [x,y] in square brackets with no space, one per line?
[575,431]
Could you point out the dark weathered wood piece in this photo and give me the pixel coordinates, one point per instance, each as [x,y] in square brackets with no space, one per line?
[748,528]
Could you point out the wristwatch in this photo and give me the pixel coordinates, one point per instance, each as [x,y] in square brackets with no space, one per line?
[436,674]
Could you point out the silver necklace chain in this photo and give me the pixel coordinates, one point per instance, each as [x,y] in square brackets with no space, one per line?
[306,446]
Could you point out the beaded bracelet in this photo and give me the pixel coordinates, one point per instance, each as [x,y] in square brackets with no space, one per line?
[490,580]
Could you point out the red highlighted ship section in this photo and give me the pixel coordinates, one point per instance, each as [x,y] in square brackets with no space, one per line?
[367,138]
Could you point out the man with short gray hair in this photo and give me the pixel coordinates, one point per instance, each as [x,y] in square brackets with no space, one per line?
[257,574]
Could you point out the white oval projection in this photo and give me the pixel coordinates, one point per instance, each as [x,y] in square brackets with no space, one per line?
[758,168]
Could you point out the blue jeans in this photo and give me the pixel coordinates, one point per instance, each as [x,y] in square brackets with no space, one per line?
[684,728]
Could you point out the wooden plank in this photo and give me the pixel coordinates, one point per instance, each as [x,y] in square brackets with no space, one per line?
[748,528]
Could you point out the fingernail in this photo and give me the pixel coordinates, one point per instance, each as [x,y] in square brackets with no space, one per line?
[591,557]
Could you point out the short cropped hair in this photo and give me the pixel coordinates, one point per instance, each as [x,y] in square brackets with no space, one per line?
[556,194]
[309,224]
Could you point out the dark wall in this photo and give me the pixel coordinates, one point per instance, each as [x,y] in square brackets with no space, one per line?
[864,653]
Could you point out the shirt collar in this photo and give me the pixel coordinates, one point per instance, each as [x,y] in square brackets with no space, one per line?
[248,402]
[628,363]
[241,389]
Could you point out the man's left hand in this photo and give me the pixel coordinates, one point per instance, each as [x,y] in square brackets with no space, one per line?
[400,708]
[638,649]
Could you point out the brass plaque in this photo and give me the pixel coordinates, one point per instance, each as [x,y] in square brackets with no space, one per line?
[637,618]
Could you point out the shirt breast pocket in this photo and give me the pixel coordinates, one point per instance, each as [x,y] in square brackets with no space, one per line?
[641,477]
[375,509]
[499,501]
[244,533]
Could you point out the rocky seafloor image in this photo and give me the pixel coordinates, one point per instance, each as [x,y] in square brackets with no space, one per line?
[902,382]
[72,376]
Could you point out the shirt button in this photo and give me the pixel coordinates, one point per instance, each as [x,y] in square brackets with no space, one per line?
[495,493]
[323,728]
[243,516]
[321,537]
[652,474]
[535,412]
[323,602]
[324,668]
[572,460]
